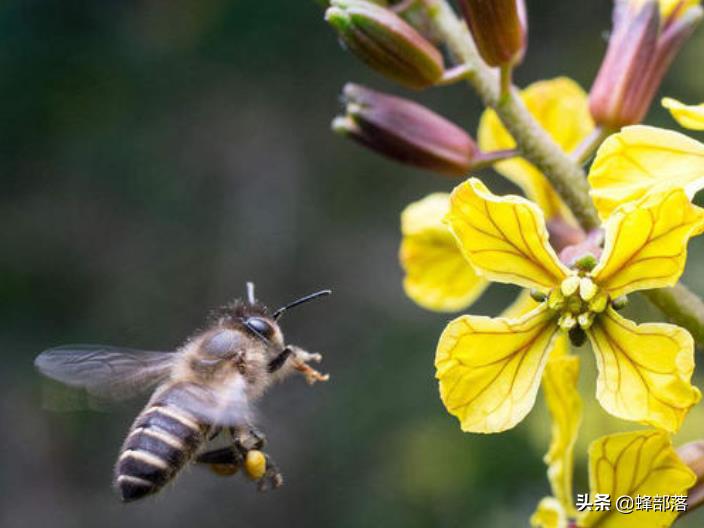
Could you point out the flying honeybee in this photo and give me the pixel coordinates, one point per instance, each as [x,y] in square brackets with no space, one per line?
[204,389]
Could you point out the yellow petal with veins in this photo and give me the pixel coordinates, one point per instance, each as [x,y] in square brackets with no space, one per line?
[631,464]
[688,116]
[644,159]
[646,243]
[565,406]
[438,277]
[644,370]
[489,369]
[504,238]
[549,514]
[523,304]
[560,106]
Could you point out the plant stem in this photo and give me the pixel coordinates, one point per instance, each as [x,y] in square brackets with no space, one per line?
[453,75]
[565,174]
[483,160]
[586,148]
[505,82]
[682,306]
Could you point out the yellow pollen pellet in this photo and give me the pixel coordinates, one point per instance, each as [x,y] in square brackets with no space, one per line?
[569,285]
[255,464]
[587,289]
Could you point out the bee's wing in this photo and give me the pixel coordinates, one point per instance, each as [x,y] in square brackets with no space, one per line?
[224,404]
[103,371]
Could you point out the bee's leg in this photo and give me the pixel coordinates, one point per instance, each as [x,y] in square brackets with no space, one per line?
[225,461]
[250,438]
[278,362]
[249,441]
[272,478]
[214,432]
[223,455]
[300,361]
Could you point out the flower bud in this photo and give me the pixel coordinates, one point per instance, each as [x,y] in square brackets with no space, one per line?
[641,48]
[498,28]
[386,43]
[405,131]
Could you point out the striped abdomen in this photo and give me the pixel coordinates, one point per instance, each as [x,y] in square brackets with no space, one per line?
[162,439]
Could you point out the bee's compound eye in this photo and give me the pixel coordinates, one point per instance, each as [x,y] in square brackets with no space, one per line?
[221,344]
[260,326]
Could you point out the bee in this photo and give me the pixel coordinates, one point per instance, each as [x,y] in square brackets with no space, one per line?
[205,389]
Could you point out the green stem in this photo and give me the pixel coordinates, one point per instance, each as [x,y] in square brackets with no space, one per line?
[682,306]
[564,173]
[505,82]
[588,147]
[483,160]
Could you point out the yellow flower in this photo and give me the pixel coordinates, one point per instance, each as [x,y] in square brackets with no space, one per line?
[437,277]
[688,116]
[489,369]
[643,159]
[630,464]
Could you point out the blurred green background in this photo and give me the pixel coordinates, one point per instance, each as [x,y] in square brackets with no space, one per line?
[156,155]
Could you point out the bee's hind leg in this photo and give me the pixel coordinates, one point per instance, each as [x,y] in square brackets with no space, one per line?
[250,443]
[250,438]
[224,461]
[272,478]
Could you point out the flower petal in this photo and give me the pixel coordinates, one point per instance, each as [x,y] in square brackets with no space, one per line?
[549,514]
[630,464]
[490,369]
[643,159]
[523,304]
[646,243]
[560,106]
[667,7]
[688,116]
[644,370]
[438,277]
[565,406]
[504,238]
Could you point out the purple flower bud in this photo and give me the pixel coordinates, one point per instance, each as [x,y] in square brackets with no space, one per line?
[499,29]
[386,43]
[405,131]
[641,49]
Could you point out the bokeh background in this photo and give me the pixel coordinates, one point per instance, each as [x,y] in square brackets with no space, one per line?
[156,155]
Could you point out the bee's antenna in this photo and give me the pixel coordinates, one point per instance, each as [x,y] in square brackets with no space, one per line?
[322,293]
[250,293]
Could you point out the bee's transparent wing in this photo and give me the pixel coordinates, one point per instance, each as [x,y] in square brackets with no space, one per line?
[223,404]
[106,372]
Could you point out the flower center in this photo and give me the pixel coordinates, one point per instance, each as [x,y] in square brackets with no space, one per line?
[577,301]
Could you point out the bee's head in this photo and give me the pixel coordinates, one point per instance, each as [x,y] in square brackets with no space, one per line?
[255,318]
